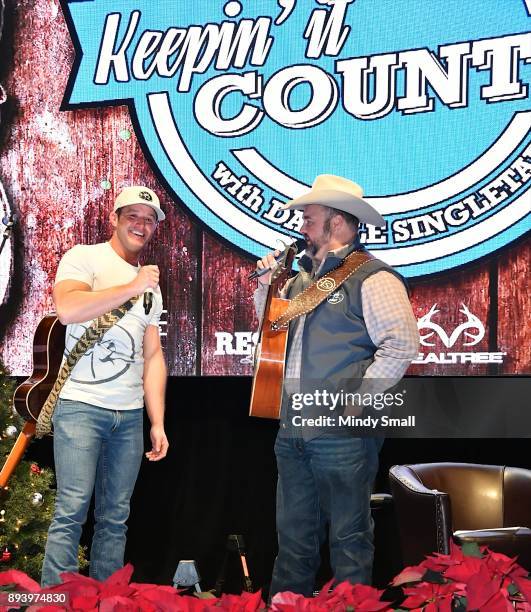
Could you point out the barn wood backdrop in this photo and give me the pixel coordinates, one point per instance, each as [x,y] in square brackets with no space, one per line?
[62,170]
[219,477]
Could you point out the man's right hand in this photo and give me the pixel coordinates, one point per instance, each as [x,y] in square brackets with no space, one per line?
[268,261]
[76,302]
[147,278]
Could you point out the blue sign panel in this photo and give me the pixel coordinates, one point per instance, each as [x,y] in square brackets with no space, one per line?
[240,104]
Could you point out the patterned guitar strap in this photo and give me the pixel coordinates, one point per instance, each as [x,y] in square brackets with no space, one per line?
[317,292]
[93,334]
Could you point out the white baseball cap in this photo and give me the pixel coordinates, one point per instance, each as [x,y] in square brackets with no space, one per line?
[138,194]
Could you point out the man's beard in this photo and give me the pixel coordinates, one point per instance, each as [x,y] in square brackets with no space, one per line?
[311,248]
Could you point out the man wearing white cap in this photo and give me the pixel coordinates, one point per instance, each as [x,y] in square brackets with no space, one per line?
[362,337]
[98,420]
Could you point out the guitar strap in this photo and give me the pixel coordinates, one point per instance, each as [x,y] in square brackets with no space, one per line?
[318,291]
[93,334]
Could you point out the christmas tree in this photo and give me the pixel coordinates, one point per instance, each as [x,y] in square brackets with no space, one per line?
[26,504]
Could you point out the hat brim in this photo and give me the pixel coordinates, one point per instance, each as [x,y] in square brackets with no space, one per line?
[160,214]
[340,201]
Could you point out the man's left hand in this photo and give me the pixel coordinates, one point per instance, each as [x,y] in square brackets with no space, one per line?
[353,410]
[159,443]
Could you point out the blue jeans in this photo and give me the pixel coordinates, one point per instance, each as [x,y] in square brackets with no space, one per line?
[95,449]
[324,482]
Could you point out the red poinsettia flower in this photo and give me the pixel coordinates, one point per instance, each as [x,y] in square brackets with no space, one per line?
[116,593]
[153,597]
[344,596]
[246,602]
[428,594]
[413,573]
[295,602]
[499,602]
[20,580]
[462,572]
[439,562]
[489,582]
[359,597]
[502,565]
[481,588]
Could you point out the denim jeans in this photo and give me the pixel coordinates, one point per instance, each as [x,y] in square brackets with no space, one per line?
[324,482]
[95,449]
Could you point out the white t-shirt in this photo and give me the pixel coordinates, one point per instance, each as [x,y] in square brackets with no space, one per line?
[110,374]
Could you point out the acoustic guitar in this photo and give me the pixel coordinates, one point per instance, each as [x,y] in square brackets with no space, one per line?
[270,352]
[29,397]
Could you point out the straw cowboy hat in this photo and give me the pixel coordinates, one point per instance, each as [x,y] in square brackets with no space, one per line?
[340,193]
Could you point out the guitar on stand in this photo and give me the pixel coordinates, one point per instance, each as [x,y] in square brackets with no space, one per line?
[29,397]
[270,352]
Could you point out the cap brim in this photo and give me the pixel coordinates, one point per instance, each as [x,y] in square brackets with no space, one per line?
[340,201]
[160,214]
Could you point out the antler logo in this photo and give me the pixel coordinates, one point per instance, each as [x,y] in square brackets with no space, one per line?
[472,322]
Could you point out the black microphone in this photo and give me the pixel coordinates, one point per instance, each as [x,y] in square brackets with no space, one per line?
[300,245]
[148,300]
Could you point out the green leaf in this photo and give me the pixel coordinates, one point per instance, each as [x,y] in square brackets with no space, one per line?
[471,549]
[205,595]
[513,589]
[433,577]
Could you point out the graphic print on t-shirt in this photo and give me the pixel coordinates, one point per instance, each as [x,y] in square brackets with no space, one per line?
[107,363]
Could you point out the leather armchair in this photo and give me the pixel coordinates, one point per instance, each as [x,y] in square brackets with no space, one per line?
[487,504]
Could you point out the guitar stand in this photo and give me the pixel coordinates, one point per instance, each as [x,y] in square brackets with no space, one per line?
[235,544]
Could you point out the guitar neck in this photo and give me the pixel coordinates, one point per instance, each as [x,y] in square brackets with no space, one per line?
[17,452]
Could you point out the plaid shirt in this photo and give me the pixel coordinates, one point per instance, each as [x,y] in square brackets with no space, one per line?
[390,324]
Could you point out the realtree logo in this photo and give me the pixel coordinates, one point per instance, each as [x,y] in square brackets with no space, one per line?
[470,338]
[469,332]
[240,104]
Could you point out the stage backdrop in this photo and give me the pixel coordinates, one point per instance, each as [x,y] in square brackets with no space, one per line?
[227,110]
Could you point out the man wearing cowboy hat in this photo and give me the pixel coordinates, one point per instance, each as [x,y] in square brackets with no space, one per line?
[98,420]
[363,336]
